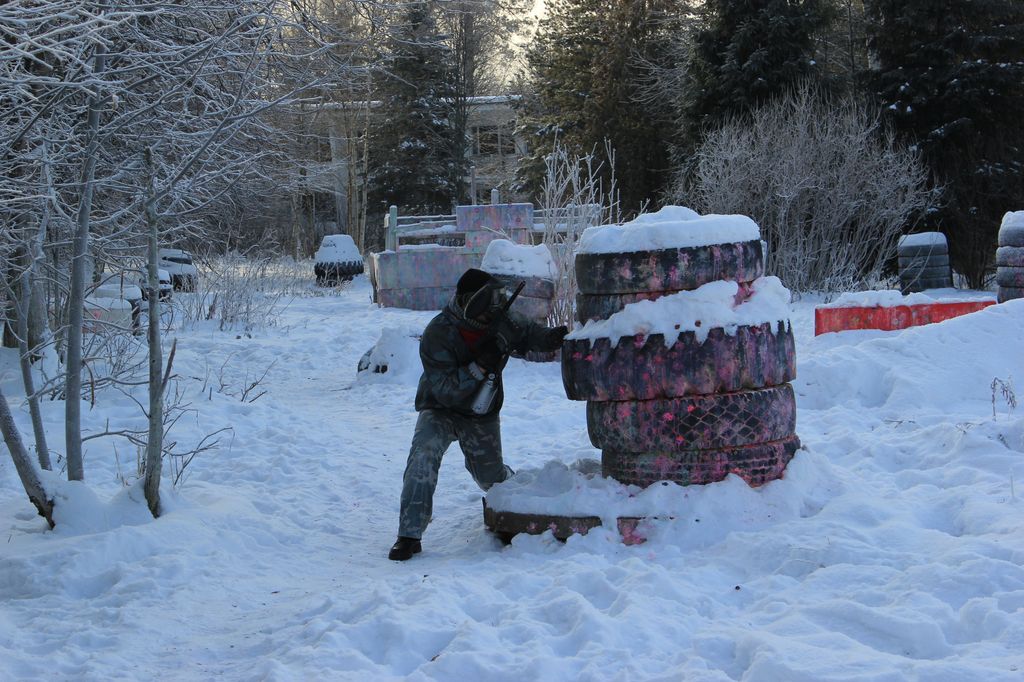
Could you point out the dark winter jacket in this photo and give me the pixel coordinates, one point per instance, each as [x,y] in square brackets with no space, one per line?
[450,378]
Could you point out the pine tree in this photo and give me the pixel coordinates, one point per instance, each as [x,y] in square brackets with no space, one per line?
[747,52]
[950,79]
[586,67]
[411,161]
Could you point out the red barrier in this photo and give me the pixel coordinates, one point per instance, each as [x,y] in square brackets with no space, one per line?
[891,318]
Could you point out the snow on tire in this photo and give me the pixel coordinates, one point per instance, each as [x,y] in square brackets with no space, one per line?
[1010,257]
[642,368]
[1011,235]
[756,464]
[704,422]
[602,306]
[668,269]
[1005,294]
[1010,277]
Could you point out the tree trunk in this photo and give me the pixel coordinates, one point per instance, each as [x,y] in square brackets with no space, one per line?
[155,442]
[26,350]
[23,463]
[76,298]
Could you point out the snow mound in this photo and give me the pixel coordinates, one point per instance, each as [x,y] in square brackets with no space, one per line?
[701,310]
[922,239]
[395,358]
[927,367]
[77,510]
[518,260]
[673,227]
[578,489]
[888,298]
[337,248]
[1013,219]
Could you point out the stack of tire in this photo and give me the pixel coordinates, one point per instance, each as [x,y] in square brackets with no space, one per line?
[1010,258]
[332,274]
[694,411]
[923,262]
[534,302]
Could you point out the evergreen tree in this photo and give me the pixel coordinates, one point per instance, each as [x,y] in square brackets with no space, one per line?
[950,79]
[747,52]
[411,160]
[586,67]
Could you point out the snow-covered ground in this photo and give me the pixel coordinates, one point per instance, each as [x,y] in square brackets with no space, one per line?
[892,550]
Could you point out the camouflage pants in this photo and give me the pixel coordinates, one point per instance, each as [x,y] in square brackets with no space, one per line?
[436,430]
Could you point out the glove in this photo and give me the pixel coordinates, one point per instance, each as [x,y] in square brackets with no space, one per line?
[554,336]
[491,354]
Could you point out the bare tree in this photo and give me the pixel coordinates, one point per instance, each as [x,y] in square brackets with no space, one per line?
[85,90]
[830,188]
[573,198]
[23,463]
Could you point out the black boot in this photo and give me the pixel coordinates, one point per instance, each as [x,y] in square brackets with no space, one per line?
[404,548]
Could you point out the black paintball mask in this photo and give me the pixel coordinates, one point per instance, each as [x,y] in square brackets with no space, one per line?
[487,303]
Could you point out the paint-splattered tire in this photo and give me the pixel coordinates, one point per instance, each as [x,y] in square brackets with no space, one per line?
[1010,277]
[602,306]
[1011,236]
[756,464]
[1005,294]
[639,368]
[1010,257]
[705,422]
[668,269]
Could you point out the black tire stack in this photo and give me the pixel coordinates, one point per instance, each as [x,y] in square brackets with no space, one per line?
[333,274]
[924,265]
[698,410]
[534,302]
[1010,260]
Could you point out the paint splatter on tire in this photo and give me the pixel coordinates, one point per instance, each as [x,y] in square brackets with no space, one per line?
[705,422]
[642,368]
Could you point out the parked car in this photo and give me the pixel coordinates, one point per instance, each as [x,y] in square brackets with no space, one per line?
[337,260]
[166,285]
[178,264]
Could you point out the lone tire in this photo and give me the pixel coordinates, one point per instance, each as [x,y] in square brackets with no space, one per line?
[756,464]
[923,251]
[1005,294]
[1012,278]
[706,422]
[1011,235]
[1010,257]
[639,368]
[917,262]
[668,269]
[929,274]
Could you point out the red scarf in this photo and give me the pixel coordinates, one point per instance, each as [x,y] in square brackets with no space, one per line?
[472,337]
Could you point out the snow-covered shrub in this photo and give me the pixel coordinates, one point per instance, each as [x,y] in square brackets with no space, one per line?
[244,292]
[830,188]
[395,358]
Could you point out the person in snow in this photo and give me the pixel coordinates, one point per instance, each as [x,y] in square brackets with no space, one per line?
[463,351]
